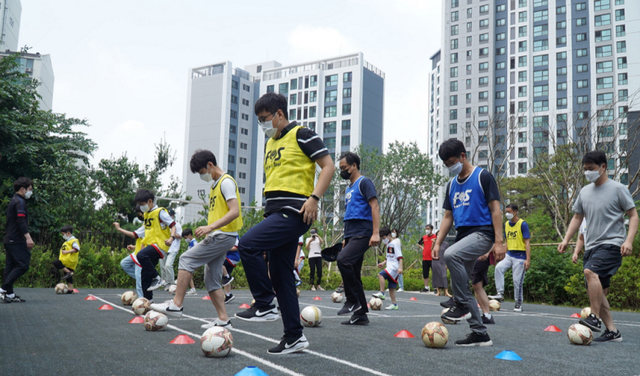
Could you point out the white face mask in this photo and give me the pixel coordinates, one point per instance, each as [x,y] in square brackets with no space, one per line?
[28,194]
[268,129]
[206,177]
[456,168]
[66,237]
[592,176]
[428,232]
[394,235]
[509,215]
[144,208]
[385,241]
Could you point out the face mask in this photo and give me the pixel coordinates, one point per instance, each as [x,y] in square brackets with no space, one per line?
[428,232]
[456,168]
[144,208]
[28,194]
[509,215]
[592,176]
[65,237]
[385,241]
[206,177]
[394,235]
[268,129]
[345,174]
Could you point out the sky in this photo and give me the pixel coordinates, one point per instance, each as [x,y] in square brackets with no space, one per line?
[123,65]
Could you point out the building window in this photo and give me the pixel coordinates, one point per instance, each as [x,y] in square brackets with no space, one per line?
[561,25]
[581,52]
[453,72]
[542,75]
[312,112]
[245,117]
[244,131]
[522,76]
[454,44]
[501,65]
[522,46]
[453,86]
[583,99]
[500,80]
[603,51]
[561,10]
[561,86]
[603,35]
[540,106]
[331,80]
[522,167]
[605,115]
[346,125]
[522,91]
[453,128]
[581,37]
[581,68]
[501,36]
[561,40]
[312,125]
[346,77]
[330,142]
[500,109]
[453,114]
[243,146]
[234,99]
[540,30]
[561,71]
[621,46]
[453,100]
[562,102]
[346,109]
[483,81]
[522,16]
[602,4]
[522,31]
[501,51]
[603,19]
[604,83]
[621,31]
[542,90]
[454,16]
[330,127]
[346,92]
[620,15]
[313,96]
[541,15]
[330,111]
[606,66]
[483,110]
[522,152]
[330,95]
[483,95]
[623,95]
[292,114]
[346,141]
[604,99]
[581,6]
[623,78]
[484,9]
[522,106]
[232,144]
[581,21]
[234,114]
[232,129]
[284,89]
[522,61]
[582,84]
[483,66]
[293,99]
[500,94]
[540,60]
[522,123]
[484,52]
[501,22]
[540,45]
[484,23]
[246,88]
[561,56]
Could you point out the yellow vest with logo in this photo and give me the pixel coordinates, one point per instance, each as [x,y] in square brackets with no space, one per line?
[515,241]
[287,167]
[70,260]
[218,206]
[156,232]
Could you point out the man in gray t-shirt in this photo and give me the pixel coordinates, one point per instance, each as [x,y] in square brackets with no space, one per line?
[603,204]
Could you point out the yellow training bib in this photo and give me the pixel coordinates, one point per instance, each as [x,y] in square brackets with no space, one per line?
[156,232]
[218,206]
[70,260]
[287,167]
[515,241]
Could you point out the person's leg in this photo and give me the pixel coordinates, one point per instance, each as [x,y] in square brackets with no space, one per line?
[349,263]
[481,296]
[460,259]
[363,244]
[10,263]
[425,274]
[518,280]
[502,268]
[281,263]
[319,267]
[148,258]
[392,294]
[163,270]
[21,257]
[594,290]
[213,278]
[128,266]
[168,265]
[382,283]
[312,270]
[400,282]
[70,280]
[138,276]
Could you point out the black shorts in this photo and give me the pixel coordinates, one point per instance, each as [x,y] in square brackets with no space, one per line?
[426,266]
[59,265]
[229,266]
[604,260]
[479,273]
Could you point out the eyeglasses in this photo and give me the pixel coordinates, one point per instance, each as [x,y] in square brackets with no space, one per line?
[262,120]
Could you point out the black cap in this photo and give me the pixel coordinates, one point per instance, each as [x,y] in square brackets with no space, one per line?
[331,254]
[172,212]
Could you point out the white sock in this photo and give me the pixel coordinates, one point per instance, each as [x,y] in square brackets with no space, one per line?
[2,291]
[11,296]
[226,276]
[228,294]
[487,315]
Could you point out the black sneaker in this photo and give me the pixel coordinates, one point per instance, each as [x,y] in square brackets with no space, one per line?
[226,280]
[288,345]
[349,308]
[70,292]
[517,308]
[456,313]
[475,339]
[448,304]
[67,276]
[6,299]
[486,320]
[15,299]
[269,313]
[592,322]
[228,298]
[340,289]
[609,336]
[425,289]
[356,320]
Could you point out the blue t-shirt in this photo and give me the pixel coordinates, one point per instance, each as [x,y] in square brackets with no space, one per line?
[234,256]
[192,243]
[524,227]
[358,220]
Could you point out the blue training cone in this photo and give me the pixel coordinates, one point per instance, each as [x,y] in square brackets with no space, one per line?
[251,371]
[508,355]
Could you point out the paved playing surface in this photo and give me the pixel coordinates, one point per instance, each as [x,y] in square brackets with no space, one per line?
[64,334]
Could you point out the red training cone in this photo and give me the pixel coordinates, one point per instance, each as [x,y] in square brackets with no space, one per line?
[90,297]
[137,320]
[105,307]
[76,291]
[182,339]
[404,334]
[576,315]
[206,297]
[245,305]
[552,328]
[413,298]
[317,298]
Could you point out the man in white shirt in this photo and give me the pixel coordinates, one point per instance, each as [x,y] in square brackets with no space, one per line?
[166,264]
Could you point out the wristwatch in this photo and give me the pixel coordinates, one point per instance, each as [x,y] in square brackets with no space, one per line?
[315,197]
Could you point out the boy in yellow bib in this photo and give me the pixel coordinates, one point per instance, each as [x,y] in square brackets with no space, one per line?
[68,259]
[225,219]
[130,263]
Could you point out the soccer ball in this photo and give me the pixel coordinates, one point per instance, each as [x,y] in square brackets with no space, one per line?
[172,289]
[61,288]
[446,321]
[585,312]
[336,297]
[494,305]
[154,321]
[129,297]
[311,316]
[375,304]
[141,306]
[579,334]
[216,342]
[435,335]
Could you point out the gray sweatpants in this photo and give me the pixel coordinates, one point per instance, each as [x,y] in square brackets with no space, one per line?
[518,275]
[460,259]
[211,252]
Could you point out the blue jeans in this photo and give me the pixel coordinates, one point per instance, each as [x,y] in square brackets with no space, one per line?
[134,272]
[401,282]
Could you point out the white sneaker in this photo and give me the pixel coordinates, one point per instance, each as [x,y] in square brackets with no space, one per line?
[379,295]
[392,307]
[497,296]
[157,283]
[192,292]
[218,322]
[399,290]
[167,307]
[320,288]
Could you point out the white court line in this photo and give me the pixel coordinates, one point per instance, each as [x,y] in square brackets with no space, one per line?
[350,364]
[235,349]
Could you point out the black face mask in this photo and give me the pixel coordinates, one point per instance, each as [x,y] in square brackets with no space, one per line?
[345,174]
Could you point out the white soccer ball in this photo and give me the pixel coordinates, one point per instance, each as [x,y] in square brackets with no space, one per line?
[216,342]
[336,297]
[62,288]
[579,334]
[128,297]
[448,322]
[585,312]
[494,305]
[375,304]
[154,321]
[172,289]
[141,306]
[311,316]
[435,335]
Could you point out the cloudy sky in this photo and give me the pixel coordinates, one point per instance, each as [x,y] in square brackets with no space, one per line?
[123,65]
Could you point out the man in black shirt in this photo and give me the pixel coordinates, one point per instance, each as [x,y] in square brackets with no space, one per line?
[17,240]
